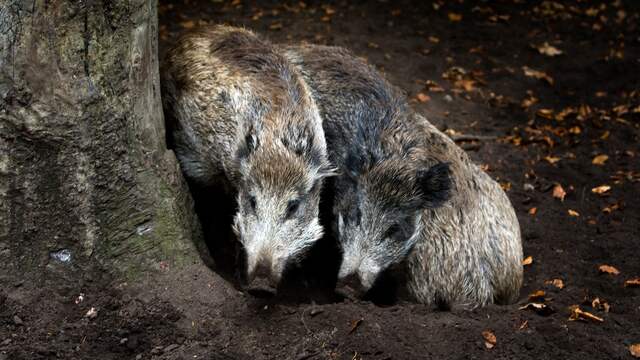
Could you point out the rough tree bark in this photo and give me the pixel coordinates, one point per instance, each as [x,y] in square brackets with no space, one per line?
[85,176]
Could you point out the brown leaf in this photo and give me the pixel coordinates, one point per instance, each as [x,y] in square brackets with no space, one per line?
[600,305]
[423,98]
[601,189]
[189,24]
[537,296]
[558,192]
[634,349]
[533,211]
[527,261]
[555,282]
[608,269]
[549,50]
[632,283]
[551,159]
[355,324]
[524,325]
[537,74]
[600,159]
[545,113]
[490,339]
[453,17]
[275,26]
[573,213]
[527,102]
[578,314]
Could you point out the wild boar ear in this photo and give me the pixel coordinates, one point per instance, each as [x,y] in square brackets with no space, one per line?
[435,184]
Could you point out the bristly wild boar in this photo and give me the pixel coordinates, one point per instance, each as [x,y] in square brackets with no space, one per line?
[407,196]
[238,111]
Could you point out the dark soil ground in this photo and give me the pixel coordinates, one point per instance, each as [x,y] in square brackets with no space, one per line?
[461,63]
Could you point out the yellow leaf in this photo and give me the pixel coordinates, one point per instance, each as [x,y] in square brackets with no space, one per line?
[555,282]
[575,130]
[188,24]
[537,74]
[551,159]
[600,159]
[609,269]
[632,282]
[573,213]
[528,260]
[453,17]
[549,50]
[545,113]
[634,349]
[578,314]
[537,296]
[558,192]
[601,189]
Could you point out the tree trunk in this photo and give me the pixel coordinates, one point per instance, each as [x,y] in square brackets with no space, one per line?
[85,175]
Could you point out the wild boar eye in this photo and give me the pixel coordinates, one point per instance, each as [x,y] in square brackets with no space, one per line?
[252,203]
[292,208]
[393,232]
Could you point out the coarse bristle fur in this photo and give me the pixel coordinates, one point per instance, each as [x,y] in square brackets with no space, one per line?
[238,110]
[407,195]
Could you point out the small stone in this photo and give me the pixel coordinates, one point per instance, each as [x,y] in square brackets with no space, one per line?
[529,345]
[139,356]
[123,341]
[448,98]
[528,187]
[6,342]
[92,313]
[17,320]
[156,350]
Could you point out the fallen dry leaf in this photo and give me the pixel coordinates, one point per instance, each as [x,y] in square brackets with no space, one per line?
[608,269]
[601,189]
[600,159]
[524,325]
[538,308]
[611,208]
[537,74]
[551,159]
[578,314]
[537,296]
[573,213]
[555,282]
[600,305]
[549,50]
[533,211]
[188,24]
[632,283]
[545,113]
[527,261]
[422,97]
[355,324]
[453,17]
[558,192]
[634,349]
[490,339]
